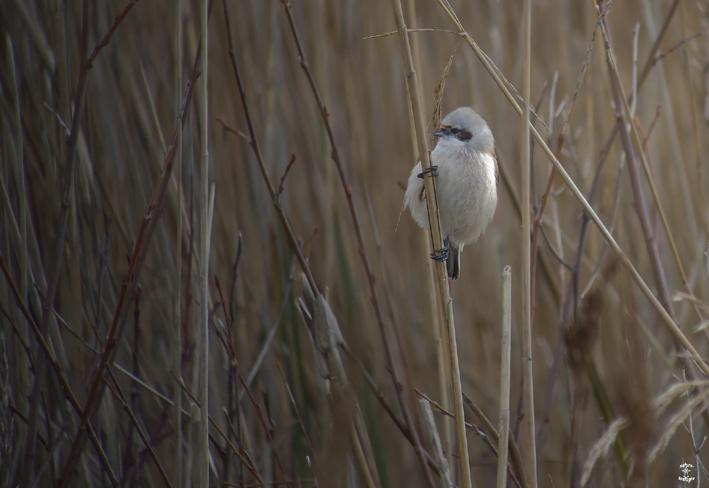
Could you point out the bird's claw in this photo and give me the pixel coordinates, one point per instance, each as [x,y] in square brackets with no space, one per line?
[433,171]
[441,254]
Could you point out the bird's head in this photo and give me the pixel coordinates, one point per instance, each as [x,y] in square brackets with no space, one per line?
[464,127]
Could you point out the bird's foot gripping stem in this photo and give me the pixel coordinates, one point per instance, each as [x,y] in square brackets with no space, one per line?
[441,254]
[433,171]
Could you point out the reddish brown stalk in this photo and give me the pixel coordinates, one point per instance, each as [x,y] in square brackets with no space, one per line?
[646,149]
[131,458]
[253,142]
[145,233]
[48,303]
[116,390]
[58,260]
[332,357]
[646,137]
[293,157]
[107,37]
[64,383]
[335,156]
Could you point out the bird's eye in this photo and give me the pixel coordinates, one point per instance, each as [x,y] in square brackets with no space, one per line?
[464,135]
[455,131]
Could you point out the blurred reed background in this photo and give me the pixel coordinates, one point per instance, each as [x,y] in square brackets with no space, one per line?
[607,358]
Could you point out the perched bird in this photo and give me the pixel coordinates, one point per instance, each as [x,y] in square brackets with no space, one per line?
[464,166]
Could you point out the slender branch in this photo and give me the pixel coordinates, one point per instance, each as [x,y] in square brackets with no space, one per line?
[53,282]
[293,157]
[633,170]
[63,382]
[145,233]
[297,413]
[379,395]
[269,436]
[253,142]
[640,148]
[107,37]
[559,146]
[391,366]
[116,390]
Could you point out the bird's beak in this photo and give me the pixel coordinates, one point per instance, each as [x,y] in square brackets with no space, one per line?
[439,133]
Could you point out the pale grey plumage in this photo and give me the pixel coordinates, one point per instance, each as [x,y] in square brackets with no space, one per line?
[466,184]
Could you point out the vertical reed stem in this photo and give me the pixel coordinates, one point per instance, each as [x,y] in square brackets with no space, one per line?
[506,353]
[531,455]
[203,441]
[437,238]
[177,336]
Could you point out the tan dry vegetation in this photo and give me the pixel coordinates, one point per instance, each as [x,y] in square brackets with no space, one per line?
[125,128]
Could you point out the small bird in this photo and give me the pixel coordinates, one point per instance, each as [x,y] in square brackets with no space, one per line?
[465,169]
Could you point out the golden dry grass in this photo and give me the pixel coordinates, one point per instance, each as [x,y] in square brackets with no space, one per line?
[613,357]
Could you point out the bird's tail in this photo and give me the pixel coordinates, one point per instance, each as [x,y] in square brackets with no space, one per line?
[453,262]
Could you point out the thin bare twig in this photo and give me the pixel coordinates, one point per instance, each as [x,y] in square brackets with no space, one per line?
[253,142]
[297,413]
[145,233]
[116,390]
[386,34]
[64,383]
[293,157]
[571,301]
[391,366]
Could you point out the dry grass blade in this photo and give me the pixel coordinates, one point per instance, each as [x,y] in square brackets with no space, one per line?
[433,435]
[694,406]
[601,448]
[437,117]
[680,296]
[662,401]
